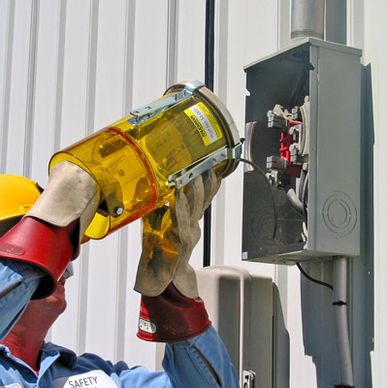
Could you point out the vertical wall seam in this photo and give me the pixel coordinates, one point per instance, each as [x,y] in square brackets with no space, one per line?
[30,106]
[59,85]
[349,23]
[242,317]
[221,49]
[221,38]
[7,89]
[92,68]
[283,20]
[279,25]
[129,56]
[82,300]
[89,126]
[121,299]
[172,42]
[60,72]
[121,275]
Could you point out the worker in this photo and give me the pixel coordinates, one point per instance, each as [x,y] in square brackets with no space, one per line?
[42,232]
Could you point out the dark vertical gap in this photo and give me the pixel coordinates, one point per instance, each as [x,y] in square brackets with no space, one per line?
[209,45]
[209,81]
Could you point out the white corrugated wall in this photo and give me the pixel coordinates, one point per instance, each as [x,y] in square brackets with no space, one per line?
[70,67]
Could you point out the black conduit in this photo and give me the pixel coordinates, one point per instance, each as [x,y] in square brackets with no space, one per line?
[209,81]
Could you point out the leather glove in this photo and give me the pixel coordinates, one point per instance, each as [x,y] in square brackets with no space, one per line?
[170,309]
[169,237]
[71,195]
[50,233]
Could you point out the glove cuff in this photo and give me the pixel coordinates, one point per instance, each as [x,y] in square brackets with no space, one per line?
[71,194]
[42,245]
[171,317]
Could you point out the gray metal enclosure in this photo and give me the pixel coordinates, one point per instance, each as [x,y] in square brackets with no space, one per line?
[329,76]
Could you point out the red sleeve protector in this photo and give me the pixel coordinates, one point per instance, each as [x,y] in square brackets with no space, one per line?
[171,317]
[42,245]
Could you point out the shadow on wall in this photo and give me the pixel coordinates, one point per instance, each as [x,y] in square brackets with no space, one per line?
[362,268]
[318,324]
[241,307]
[317,309]
[281,345]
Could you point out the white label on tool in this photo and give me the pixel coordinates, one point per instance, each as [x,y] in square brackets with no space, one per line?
[200,117]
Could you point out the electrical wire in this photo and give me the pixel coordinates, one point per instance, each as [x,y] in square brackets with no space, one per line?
[302,194]
[258,169]
[301,269]
[304,197]
[301,183]
[294,200]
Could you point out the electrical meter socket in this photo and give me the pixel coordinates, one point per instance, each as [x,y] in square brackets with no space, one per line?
[316,87]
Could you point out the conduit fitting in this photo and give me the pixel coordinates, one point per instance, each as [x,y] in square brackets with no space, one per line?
[307,19]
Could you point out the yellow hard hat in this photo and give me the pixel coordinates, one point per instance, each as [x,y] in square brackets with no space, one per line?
[17,195]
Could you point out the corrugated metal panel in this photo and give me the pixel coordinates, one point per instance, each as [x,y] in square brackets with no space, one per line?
[16,101]
[7,15]
[69,67]
[75,122]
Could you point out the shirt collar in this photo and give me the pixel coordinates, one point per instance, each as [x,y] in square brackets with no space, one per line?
[67,357]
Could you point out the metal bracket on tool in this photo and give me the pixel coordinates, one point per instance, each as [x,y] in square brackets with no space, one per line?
[187,174]
[147,111]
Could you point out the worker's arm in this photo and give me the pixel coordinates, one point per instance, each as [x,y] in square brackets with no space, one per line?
[49,235]
[18,282]
[171,309]
[195,355]
[202,361]
[36,251]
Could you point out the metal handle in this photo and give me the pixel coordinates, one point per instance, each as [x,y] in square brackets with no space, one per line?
[187,174]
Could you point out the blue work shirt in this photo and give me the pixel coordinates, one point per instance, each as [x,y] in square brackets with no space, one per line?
[186,364]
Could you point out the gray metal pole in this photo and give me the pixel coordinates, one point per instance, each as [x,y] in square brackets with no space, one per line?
[307,19]
[340,291]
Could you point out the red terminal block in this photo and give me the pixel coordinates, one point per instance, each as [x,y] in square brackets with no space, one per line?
[286,140]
